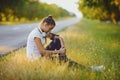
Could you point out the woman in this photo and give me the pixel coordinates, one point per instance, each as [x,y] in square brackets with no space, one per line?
[37,39]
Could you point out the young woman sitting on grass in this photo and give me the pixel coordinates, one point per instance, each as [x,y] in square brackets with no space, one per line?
[37,38]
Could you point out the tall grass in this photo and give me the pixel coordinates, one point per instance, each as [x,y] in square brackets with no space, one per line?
[87,42]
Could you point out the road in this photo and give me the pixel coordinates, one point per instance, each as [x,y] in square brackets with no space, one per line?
[13,37]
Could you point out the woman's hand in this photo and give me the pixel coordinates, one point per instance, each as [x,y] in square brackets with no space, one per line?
[62,51]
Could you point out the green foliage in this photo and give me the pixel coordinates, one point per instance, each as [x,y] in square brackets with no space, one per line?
[95,43]
[101,9]
[12,10]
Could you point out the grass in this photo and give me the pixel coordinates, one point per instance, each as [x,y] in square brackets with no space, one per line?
[87,42]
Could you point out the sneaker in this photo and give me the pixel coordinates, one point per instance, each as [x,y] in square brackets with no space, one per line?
[97,68]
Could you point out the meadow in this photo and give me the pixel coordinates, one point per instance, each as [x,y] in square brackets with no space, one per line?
[90,43]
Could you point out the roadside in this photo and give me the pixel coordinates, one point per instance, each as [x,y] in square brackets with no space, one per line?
[14,37]
[29,22]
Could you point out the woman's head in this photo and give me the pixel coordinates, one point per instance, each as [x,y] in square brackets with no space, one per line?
[48,24]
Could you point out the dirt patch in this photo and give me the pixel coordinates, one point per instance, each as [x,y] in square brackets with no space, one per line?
[4,49]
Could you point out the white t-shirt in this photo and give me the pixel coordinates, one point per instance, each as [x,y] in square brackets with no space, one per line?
[32,50]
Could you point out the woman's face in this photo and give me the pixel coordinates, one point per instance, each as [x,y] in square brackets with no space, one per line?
[47,28]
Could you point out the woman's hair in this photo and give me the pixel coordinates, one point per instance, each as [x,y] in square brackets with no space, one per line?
[49,20]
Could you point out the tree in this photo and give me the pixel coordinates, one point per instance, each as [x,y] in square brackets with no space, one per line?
[101,9]
[10,10]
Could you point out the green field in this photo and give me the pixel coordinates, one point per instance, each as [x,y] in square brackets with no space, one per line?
[87,42]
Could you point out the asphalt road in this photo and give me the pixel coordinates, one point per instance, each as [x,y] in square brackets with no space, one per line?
[13,37]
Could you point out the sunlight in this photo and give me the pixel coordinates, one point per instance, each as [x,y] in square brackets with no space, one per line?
[69,5]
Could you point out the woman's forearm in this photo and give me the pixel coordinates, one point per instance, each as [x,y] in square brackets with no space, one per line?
[48,52]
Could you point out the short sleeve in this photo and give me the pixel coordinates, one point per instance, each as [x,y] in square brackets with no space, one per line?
[40,36]
[36,34]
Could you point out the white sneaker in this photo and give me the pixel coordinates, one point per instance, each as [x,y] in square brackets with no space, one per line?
[97,68]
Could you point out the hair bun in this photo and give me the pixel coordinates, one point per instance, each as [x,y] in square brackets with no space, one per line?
[49,20]
[50,17]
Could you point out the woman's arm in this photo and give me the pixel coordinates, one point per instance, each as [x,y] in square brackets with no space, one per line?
[42,50]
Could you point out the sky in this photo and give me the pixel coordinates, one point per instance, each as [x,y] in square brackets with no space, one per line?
[69,5]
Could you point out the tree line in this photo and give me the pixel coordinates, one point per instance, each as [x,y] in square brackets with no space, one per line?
[104,10]
[18,10]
